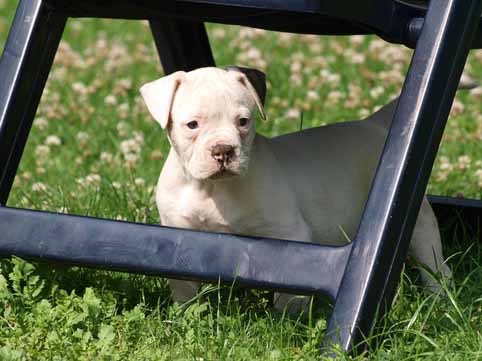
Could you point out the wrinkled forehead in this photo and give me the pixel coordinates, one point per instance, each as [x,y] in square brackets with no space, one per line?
[214,92]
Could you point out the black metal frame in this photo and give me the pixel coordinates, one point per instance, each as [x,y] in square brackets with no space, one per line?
[361,277]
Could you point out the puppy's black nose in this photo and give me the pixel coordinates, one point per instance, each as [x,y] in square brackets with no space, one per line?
[223,153]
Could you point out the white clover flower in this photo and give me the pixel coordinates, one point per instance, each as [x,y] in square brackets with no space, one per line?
[40,123]
[463,162]
[81,182]
[157,155]
[39,187]
[312,95]
[129,146]
[329,77]
[90,180]
[353,56]
[131,160]
[219,33]
[139,137]
[125,83]
[106,157]
[457,107]
[110,100]
[316,48]
[363,113]
[123,110]
[358,58]
[82,138]
[246,33]
[376,45]
[93,179]
[296,67]
[377,91]
[121,129]
[334,96]
[139,181]
[478,174]
[476,92]
[284,39]
[445,164]
[293,113]
[79,88]
[391,77]
[357,39]
[442,176]
[254,54]
[53,140]
[42,151]
[296,79]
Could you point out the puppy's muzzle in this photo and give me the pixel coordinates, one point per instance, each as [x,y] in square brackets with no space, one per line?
[223,154]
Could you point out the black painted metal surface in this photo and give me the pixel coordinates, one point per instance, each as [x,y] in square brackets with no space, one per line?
[444,37]
[387,223]
[24,67]
[181,44]
[388,19]
[458,217]
[122,246]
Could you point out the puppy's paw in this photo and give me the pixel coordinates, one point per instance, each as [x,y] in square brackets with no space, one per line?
[291,304]
[183,291]
[434,282]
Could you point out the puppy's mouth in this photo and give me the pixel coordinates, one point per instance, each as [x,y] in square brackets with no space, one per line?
[223,173]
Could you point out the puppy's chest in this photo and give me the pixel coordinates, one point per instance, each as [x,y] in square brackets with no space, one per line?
[205,217]
[188,209]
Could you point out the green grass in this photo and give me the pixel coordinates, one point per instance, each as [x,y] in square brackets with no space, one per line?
[49,313]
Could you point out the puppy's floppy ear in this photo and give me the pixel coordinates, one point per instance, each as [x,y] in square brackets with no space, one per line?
[159,96]
[255,81]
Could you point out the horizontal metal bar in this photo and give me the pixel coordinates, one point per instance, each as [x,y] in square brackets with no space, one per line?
[307,16]
[288,266]
[455,202]
[394,20]
[458,216]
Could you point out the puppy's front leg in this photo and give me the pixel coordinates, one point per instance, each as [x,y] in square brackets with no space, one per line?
[294,304]
[182,291]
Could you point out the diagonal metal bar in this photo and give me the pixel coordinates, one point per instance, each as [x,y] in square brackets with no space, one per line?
[24,67]
[287,266]
[382,241]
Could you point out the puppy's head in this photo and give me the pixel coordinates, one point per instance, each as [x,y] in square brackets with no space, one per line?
[209,114]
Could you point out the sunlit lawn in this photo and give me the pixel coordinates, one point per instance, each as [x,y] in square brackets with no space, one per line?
[94,150]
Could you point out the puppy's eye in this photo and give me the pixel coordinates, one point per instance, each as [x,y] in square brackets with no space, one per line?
[193,124]
[243,122]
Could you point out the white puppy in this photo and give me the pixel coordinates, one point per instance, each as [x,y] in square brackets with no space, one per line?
[307,186]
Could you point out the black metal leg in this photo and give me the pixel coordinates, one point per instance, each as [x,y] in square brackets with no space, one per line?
[24,67]
[381,244]
[181,44]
